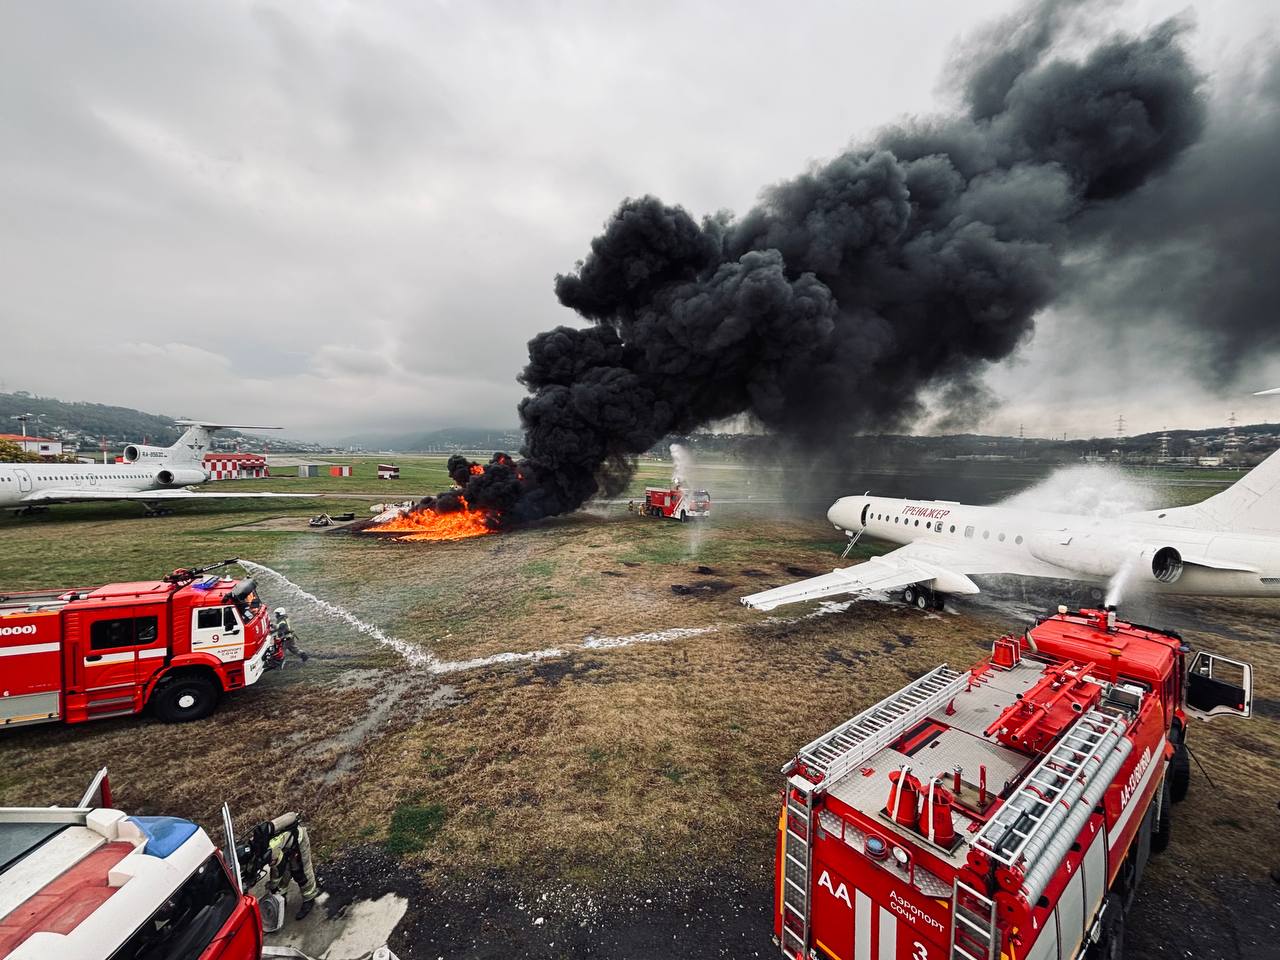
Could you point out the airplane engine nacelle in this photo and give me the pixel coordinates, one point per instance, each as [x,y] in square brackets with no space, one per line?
[140,453]
[1166,564]
[180,477]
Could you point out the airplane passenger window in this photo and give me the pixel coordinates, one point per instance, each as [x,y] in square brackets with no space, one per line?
[1018,538]
[953,528]
[968,532]
[917,523]
[986,534]
[1001,538]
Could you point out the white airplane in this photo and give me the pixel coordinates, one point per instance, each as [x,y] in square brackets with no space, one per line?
[1226,546]
[151,475]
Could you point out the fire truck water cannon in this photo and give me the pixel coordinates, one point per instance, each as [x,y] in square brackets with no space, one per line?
[923,828]
[187,574]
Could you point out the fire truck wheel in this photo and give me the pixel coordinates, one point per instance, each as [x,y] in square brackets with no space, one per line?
[1180,774]
[1163,830]
[909,596]
[1110,945]
[184,698]
[922,601]
[683,516]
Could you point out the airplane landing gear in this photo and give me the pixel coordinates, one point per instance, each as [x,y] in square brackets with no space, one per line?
[155,510]
[922,598]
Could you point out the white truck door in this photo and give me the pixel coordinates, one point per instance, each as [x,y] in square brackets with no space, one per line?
[1218,686]
[217,630]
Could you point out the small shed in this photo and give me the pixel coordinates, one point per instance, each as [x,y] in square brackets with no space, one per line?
[388,471]
[308,470]
[340,471]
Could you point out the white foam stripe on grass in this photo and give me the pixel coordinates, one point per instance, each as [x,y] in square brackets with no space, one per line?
[532,656]
[656,636]
[419,657]
[332,611]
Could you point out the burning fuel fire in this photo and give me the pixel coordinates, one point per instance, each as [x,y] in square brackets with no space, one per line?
[482,501]
[428,524]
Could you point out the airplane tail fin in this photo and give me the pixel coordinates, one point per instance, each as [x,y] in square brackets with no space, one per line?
[1251,503]
[196,441]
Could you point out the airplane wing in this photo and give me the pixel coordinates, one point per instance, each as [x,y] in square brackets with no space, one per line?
[917,562]
[71,495]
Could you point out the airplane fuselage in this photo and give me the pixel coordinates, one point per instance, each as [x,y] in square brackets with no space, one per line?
[1149,551]
[18,481]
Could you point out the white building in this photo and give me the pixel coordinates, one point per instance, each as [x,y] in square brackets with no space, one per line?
[43,446]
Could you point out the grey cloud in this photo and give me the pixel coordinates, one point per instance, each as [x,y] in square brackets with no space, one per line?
[272,183]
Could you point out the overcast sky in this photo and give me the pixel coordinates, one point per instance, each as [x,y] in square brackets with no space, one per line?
[347,217]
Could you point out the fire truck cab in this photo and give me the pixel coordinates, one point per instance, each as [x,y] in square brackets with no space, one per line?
[89,882]
[676,503]
[175,644]
[1006,811]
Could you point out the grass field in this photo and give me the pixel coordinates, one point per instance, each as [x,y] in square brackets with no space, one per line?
[645,748]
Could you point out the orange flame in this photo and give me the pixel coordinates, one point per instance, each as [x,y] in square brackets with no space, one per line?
[476,469]
[429,525]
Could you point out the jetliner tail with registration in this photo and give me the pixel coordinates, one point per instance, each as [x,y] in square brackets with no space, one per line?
[151,475]
[1227,546]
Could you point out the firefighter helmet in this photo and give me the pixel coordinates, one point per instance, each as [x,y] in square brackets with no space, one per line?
[280,613]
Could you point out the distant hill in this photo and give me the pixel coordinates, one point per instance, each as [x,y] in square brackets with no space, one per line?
[452,438]
[86,421]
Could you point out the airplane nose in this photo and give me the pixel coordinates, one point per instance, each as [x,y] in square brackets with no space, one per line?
[843,514]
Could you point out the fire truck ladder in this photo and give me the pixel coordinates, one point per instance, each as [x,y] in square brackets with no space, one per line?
[829,758]
[797,858]
[1023,826]
[836,753]
[974,934]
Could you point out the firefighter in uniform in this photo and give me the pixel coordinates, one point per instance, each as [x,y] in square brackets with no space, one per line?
[289,849]
[285,635]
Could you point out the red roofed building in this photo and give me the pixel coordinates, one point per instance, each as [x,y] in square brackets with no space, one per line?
[44,446]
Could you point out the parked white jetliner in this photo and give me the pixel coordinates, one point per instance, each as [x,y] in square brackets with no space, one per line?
[151,475]
[1227,546]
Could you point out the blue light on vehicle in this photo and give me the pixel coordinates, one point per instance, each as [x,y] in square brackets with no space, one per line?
[164,834]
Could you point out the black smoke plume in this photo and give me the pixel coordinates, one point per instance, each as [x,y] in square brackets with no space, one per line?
[903,266]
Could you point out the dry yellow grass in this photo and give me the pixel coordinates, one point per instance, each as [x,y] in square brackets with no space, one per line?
[640,760]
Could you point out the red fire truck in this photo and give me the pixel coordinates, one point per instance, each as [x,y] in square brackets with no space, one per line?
[175,644]
[1007,811]
[676,503]
[89,882]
